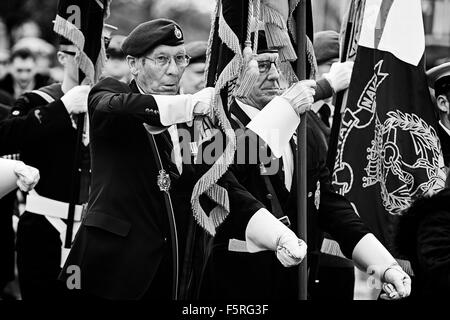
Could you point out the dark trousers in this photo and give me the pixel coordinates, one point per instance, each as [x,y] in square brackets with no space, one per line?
[38,258]
[6,240]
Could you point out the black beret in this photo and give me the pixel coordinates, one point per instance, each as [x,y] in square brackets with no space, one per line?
[326,45]
[197,51]
[151,34]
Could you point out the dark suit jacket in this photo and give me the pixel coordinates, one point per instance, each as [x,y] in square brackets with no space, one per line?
[124,241]
[423,237]
[445,144]
[261,275]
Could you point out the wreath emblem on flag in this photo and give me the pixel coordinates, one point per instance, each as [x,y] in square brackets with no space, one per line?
[395,173]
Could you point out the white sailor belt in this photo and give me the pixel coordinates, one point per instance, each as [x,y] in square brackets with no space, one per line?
[48,207]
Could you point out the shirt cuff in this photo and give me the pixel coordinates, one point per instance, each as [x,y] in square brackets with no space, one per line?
[263,231]
[174,109]
[276,124]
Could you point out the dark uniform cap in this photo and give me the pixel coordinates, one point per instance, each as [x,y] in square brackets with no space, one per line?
[151,34]
[326,45]
[263,47]
[197,51]
[439,75]
[114,49]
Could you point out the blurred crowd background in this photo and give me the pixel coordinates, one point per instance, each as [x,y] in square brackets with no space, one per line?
[28,24]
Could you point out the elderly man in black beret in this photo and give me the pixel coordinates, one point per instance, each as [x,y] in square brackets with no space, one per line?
[128,241]
[131,244]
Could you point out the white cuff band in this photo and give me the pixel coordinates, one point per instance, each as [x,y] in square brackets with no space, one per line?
[263,231]
[174,109]
[8,177]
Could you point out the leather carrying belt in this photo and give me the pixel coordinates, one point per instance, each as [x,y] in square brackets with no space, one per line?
[163,182]
[49,207]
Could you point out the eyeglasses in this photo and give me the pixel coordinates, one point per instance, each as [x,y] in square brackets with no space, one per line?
[70,53]
[181,60]
[265,65]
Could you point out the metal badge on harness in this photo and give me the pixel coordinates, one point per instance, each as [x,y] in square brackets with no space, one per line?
[163,181]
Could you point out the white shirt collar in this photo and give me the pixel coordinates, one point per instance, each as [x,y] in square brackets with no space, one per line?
[250,111]
[444,127]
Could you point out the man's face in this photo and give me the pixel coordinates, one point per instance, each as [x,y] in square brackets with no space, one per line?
[193,78]
[267,86]
[160,71]
[443,104]
[66,56]
[23,71]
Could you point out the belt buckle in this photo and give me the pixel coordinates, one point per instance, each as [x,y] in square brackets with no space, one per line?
[285,220]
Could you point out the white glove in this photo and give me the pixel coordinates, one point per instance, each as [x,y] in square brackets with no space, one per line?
[28,176]
[339,75]
[265,232]
[202,101]
[371,256]
[301,95]
[291,250]
[75,100]
[396,283]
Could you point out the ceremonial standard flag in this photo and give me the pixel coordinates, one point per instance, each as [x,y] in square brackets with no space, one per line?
[81,22]
[388,151]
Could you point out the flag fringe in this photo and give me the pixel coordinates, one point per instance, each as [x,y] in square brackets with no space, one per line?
[69,31]
[277,34]
[292,26]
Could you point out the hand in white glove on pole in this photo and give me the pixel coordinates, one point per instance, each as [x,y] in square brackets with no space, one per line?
[265,232]
[339,75]
[301,95]
[28,176]
[202,101]
[75,100]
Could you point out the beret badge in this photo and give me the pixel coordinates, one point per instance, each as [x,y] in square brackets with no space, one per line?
[178,33]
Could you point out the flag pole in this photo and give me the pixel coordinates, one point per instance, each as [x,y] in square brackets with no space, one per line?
[341,97]
[75,180]
[301,151]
